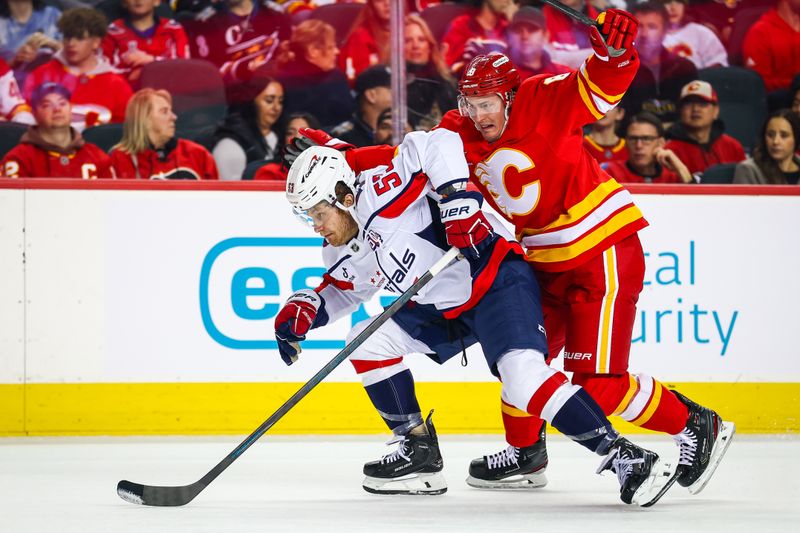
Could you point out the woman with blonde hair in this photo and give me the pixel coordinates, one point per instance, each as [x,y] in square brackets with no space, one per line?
[311,80]
[149,148]
[431,89]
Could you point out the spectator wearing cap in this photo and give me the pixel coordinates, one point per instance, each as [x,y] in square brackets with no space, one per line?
[311,79]
[527,36]
[374,94]
[487,23]
[691,40]
[149,148]
[698,137]
[430,88]
[648,160]
[99,94]
[657,85]
[772,43]
[52,148]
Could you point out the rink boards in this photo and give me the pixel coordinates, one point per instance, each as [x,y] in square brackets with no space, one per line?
[147,308]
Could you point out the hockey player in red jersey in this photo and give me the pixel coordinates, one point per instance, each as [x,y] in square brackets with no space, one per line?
[142,37]
[524,145]
[52,149]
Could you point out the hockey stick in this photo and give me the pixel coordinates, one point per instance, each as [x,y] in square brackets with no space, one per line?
[577,15]
[175,496]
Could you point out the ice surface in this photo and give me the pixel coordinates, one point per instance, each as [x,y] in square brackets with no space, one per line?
[65,485]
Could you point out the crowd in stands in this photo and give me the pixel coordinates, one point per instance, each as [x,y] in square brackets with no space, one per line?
[716,98]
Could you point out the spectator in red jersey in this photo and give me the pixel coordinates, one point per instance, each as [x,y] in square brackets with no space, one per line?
[648,161]
[367,43]
[311,81]
[141,37]
[775,160]
[657,85]
[149,148]
[569,43]
[251,129]
[12,105]
[527,36]
[488,23]
[99,94]
[430,88]
[602,140]
[238,36]
[698,137]
[52,148]
[771,45]
[275,170]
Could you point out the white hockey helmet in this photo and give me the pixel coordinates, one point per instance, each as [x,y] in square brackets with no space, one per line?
[313,177]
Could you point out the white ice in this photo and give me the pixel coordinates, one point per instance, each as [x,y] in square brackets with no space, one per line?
[64,485]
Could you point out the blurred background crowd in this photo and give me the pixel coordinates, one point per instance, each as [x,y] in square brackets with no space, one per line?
[213,89]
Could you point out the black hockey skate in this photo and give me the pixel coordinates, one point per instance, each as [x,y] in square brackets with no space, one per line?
[643,477]
[702,443]
[512,468]
[414,468]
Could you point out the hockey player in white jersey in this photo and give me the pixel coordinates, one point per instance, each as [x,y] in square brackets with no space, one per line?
[383,230]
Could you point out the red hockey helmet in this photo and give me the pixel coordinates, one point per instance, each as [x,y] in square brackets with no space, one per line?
[489,74]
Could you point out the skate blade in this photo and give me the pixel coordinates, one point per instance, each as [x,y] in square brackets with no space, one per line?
[726,432]
[534,480]
[662,476]
[413,484]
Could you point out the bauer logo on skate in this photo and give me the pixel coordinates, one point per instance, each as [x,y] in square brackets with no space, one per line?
[245,280]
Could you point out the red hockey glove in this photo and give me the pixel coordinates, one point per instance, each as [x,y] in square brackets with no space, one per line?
[303,310]
[306,138]
[615,36]
[465,224]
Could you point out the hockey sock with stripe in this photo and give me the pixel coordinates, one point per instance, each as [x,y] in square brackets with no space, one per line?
[582,420]
[396,402]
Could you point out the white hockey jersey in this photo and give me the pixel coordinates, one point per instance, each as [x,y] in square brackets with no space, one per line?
[398,240]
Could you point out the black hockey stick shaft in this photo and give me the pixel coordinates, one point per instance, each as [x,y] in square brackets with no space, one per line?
[577,15]
[181,495]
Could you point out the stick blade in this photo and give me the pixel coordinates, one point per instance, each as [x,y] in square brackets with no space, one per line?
[157,496]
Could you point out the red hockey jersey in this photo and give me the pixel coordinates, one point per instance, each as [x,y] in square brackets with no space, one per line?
[180,159]
[238,45]
[618,152]
[98,97]
[166,41]
[565,209]
[34,157]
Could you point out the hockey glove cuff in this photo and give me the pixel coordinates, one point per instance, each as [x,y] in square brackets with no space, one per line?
[303,311]
[466,226]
